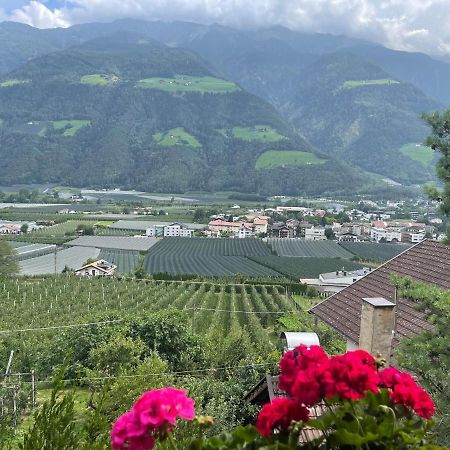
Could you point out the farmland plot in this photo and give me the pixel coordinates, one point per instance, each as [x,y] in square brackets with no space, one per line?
[126,261]
[298,267]
[27,251]
[139,243]
[216,309]
[202,246]
[206,265]
[371,251]
[73,258]
[303,248]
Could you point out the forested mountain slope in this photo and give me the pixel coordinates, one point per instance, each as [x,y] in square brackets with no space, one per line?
[367,126]
[352,109]
[125,110]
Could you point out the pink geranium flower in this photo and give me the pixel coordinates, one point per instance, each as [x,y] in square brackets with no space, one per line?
[128,433]
[161,406]
[152,415]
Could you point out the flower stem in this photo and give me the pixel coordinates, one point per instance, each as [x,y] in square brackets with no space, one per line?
[172,441]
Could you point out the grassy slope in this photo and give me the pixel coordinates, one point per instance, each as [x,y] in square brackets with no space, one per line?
[75,126]
[12,82]
[98,79]
[418,153]
[274,158]
[359,83]
[184,83]
[261,133]
[176,136]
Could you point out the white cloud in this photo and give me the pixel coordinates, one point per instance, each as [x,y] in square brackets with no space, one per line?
[420,25]
[38,15]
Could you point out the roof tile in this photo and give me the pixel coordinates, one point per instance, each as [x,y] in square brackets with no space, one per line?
[428,262]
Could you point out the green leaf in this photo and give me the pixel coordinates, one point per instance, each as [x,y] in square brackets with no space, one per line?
[246,434]
[345,437]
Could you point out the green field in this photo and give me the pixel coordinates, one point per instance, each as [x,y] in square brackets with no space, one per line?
[55,234]
[303,248]
[98,79]
[208,266]
[185,83]
[261,133]
[297,267]
[126,261]
[277,158]
[371,251]
[176,136]
[12,82]
[71,126]
[349,84]
[209,247]
[66,300]
[418,152]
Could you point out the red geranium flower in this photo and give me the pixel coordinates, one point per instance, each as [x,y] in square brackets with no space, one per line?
[279,415]
[297,360]
[405,391]
[351,375]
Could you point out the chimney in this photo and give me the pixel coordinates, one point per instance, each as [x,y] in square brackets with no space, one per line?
[377,326]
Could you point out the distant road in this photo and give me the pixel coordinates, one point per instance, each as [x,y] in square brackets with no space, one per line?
[96,193]
[30,205]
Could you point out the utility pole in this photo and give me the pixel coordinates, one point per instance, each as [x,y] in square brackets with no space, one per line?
[33,389]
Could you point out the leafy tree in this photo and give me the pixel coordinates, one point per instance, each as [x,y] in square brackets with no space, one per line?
[439,141]
[199,215]
[139,271]
[8,265]
[24,228]
[428,354]
[168,332]
[118,354]
[329,233]
[87,230]
[80,341]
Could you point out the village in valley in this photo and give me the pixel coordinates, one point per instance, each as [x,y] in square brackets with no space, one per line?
[359,236]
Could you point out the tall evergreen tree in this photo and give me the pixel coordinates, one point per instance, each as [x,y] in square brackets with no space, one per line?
[439,141]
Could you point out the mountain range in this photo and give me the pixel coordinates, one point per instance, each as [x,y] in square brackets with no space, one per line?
[176,107]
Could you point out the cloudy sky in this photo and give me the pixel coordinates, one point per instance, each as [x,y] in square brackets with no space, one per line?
[412,25]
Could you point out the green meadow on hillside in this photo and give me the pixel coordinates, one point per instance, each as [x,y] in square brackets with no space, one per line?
[71,126]
[275,158]
[185,83]
[418,152]
[358,83]
[12,82]
[262,133]
[176,136]
[99,79]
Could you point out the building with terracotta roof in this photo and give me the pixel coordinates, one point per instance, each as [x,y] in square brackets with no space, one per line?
[259,225]
[9,228]
[426,262]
